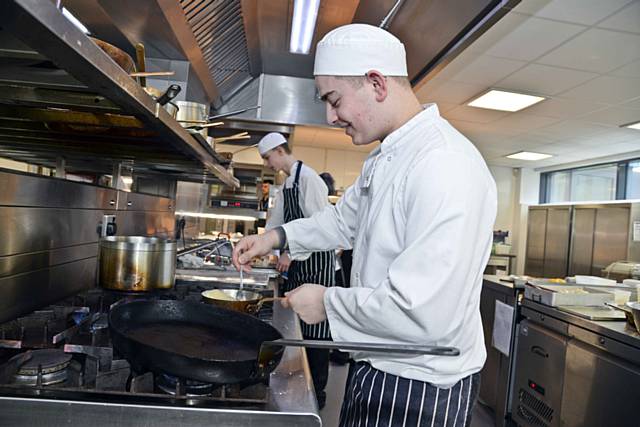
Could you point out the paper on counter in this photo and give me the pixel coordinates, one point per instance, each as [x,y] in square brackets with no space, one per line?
[502,324]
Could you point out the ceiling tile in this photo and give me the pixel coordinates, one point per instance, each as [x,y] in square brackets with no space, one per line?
[629,70]
[486,70]
[524,121]
[499,31]
[452,92]
[558,148]
[532,38]
[612,90]
[544,79]
[475,115]
[586,12]
[614,116]
[572,129]
[564,108]
[596,50]
[628,19]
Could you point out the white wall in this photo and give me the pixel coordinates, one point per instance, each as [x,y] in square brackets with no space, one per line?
[505,183]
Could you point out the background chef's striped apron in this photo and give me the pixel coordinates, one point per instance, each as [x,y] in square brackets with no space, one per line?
[376,398]
[319,268]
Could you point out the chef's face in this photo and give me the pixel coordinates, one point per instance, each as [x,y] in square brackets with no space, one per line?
[351,104]
[274,159]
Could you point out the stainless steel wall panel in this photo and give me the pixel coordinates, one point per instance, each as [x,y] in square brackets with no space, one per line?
[26,292]
[536,231]
[610,237]
[582,241]
[144,202]
[27,230]
[30,190]
[140,223]
[557,242]
[17,264]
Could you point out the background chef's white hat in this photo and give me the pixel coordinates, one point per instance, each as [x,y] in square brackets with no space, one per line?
[355,49]
[270,141]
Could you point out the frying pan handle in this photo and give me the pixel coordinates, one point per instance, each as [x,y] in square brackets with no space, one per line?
[369,347]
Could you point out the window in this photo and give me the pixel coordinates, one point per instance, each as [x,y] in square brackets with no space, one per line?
[633,180]
[559,187]
[611,181]
[597,183]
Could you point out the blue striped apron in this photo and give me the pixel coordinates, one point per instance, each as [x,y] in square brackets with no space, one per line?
[374,398]
[319,268]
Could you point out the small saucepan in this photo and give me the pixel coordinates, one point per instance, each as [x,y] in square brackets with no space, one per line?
[234,299]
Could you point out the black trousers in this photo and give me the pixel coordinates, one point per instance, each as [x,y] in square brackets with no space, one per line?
[376,398]
[318,359]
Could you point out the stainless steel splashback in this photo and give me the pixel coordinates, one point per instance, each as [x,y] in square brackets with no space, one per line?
[48,237]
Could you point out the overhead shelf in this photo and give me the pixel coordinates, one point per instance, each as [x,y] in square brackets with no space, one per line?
[85,108]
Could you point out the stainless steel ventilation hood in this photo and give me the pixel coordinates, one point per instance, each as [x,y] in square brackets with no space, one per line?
[238,50]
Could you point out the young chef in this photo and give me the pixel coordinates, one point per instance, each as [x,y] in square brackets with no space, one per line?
[419,218]
[303,194]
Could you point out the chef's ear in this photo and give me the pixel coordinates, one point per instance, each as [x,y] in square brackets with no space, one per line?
[379,83]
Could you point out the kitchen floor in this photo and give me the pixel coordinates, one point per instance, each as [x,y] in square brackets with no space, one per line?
[482,416]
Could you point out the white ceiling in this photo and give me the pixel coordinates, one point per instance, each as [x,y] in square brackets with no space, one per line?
[583,55]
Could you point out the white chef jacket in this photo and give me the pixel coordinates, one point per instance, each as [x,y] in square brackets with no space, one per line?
[313,195]
[420,219]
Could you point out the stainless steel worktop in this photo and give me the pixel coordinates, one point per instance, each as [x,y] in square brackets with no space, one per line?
[617,330]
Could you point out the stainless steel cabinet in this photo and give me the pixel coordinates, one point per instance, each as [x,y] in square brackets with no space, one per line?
[548,241]
[600,236]
[599,389]
[537,390]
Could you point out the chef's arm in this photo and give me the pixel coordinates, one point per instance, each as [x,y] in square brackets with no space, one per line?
[331,228]
[427,290]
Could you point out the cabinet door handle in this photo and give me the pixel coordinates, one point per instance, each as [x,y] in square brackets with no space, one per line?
[539,351]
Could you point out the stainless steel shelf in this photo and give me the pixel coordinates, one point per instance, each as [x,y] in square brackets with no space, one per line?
[128,124]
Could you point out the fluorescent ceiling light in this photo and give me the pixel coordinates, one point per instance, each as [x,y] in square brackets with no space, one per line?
[504,101]
[305,13]
[528,155]
[75,21]
[635,125]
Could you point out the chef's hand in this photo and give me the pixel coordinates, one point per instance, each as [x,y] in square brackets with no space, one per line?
[251,246]
[283,263]
[308,303]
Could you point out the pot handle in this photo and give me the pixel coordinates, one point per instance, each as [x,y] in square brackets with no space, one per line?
[401,349]
[254,308]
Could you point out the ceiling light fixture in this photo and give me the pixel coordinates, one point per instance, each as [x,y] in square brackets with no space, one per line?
[528,155]
[503,100]
[634,125]
[305,13]
[75,21]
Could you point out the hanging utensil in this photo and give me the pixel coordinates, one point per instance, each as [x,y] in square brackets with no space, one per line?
[232,113]
[141,63]
[204,126]
[171,92]
[142,74]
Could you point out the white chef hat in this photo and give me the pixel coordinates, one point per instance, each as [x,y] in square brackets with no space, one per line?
[356,49]
[270,141]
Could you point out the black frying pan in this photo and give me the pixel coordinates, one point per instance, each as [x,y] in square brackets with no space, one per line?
[192,340]
[211,344]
